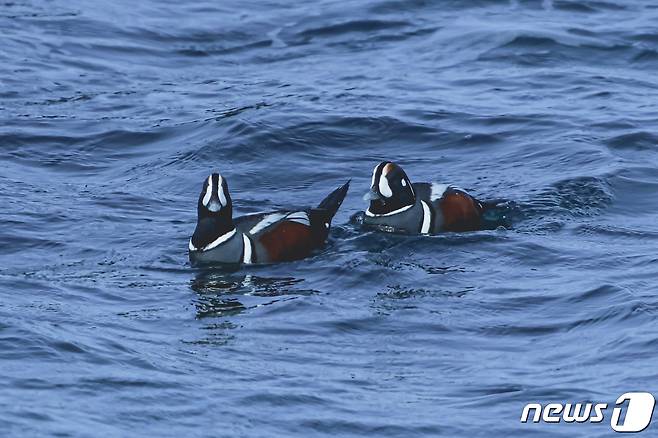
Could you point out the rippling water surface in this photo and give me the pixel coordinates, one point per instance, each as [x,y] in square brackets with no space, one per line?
[112,113]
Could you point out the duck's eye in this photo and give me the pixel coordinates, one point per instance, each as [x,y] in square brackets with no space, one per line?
[404,183]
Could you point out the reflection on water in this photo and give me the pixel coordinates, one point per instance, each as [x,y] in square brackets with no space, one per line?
[397,297]
[216,334]
[113,112]
[222,294]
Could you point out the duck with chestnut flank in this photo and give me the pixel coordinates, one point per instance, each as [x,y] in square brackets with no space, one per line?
[257,238]
[397,205]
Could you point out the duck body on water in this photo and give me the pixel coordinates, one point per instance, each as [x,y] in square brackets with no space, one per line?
[278,236]
[396,205]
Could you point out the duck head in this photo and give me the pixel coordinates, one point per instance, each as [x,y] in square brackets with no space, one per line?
[214,213]
[390,190]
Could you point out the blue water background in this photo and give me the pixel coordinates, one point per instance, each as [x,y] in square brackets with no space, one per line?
[112,114]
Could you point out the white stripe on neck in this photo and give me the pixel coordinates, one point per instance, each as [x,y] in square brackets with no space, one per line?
[246,252]
[215,243]
[427,218]
[221,239]
[391,213]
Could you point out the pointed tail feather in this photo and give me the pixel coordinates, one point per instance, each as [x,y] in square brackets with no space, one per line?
[331,203]
[322,215]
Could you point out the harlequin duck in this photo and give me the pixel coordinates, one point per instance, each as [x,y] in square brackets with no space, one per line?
[258,238]
[397,205]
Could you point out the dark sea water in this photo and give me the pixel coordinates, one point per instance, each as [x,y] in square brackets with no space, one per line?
[112,114]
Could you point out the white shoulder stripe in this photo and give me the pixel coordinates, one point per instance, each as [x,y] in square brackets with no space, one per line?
[438,190]
[266,221]
[246,253]
[427,218]
[299,217]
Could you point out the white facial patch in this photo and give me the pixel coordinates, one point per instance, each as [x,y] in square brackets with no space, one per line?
[404,183]
[374,172]
[384,188]
[206,197]
[220,191]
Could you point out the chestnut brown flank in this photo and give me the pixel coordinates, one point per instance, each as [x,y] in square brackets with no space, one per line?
[288,241]
[459,212]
